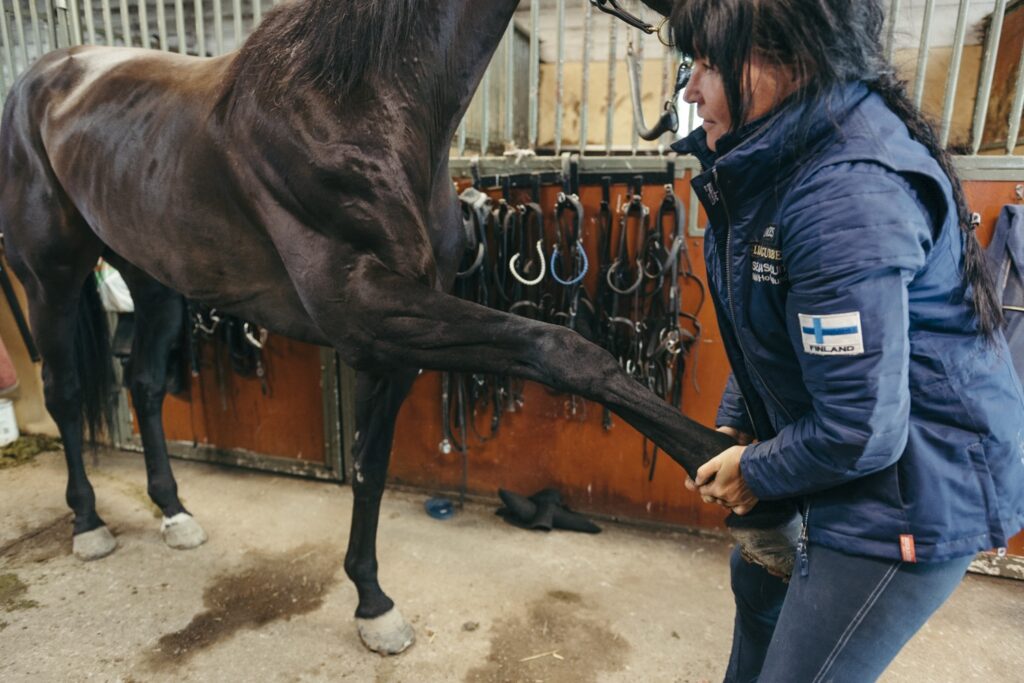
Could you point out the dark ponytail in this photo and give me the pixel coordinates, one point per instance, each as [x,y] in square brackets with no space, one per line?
[825,43]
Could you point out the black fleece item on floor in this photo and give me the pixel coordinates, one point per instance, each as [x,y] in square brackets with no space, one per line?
[543,510]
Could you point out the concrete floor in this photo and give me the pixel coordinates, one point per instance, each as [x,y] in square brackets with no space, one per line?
[265,599]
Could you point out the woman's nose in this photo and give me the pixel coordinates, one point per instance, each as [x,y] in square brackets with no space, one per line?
[691,93]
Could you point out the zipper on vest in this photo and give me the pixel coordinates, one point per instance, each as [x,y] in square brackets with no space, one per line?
[732,313]
[801,545]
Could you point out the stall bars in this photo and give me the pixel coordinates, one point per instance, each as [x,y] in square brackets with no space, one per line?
[498,121]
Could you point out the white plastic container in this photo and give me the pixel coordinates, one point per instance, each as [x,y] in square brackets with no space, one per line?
[8,423]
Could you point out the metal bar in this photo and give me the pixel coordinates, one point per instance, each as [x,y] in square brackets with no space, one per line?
[609,123]
[90,26]
[666,92]
[922,52]
[257,12]
[1016,109]
[76,25]
[485,113]
[588,29]
[52,42]
[8,48]
[988,70]
[236,12]
[460,167]
[179,26]
[347,405]
[981,167]
[108,21]
[534,69]
[161,24]
[330,399]
[239,457]
[19,28]
[126,24]
[37,34]
[510,82]
[144,25]
[7,56]
[200,29]
[638,37]
[954,72]
[218,26]
[560,77]
[3,86]
[890,35]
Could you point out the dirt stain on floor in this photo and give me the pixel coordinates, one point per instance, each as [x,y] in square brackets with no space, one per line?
[560,640]
[41,544]
[11,591]
[263,589]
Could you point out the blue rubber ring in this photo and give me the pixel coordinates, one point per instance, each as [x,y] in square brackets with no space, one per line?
[439,508]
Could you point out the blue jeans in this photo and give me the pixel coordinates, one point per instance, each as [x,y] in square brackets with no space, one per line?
[844,621]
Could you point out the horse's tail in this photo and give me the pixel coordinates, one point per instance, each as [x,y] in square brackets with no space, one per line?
[94,362]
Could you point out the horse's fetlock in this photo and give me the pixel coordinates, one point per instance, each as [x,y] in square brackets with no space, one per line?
[163,493]
[359,569]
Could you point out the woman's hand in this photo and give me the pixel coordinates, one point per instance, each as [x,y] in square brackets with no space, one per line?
[742,438]
[719,480]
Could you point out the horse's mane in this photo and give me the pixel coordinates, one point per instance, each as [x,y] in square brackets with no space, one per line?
[332,45]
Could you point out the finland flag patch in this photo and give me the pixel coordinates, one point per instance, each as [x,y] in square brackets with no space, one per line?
[832,335]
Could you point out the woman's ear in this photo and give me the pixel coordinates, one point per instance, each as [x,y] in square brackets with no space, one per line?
[662,7]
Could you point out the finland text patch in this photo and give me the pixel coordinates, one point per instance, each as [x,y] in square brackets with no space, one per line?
[838,334]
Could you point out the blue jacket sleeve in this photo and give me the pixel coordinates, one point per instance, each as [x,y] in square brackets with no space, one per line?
[732,411]
[854,235]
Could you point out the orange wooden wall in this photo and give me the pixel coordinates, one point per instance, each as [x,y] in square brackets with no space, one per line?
[229,411]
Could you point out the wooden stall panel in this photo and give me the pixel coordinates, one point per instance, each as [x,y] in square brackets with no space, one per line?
[229,411]
[545,444]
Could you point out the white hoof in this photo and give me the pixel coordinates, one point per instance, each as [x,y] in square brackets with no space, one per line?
[387,634]
[182,531]
[92,545]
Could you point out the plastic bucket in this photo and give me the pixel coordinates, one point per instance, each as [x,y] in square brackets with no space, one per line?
[8,423]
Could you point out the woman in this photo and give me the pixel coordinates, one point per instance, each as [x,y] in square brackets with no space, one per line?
[870,377]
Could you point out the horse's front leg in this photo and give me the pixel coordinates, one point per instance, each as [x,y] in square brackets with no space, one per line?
[378,398]
[394,322]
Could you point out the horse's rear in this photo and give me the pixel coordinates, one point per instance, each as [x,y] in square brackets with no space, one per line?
[54,202]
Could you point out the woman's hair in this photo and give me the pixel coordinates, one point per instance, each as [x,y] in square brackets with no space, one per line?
[823,43]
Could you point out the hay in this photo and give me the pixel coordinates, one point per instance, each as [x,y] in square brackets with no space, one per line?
[26,448]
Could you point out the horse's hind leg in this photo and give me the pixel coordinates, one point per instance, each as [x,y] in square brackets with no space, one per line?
[60,308]
[158,323]
[378,398]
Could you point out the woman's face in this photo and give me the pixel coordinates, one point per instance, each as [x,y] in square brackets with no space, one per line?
[769,85]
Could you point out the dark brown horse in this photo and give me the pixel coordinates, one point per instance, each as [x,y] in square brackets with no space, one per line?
[302,183]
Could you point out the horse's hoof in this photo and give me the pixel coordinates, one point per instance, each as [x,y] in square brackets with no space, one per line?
[182,531]
[387,634]
[92,545]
